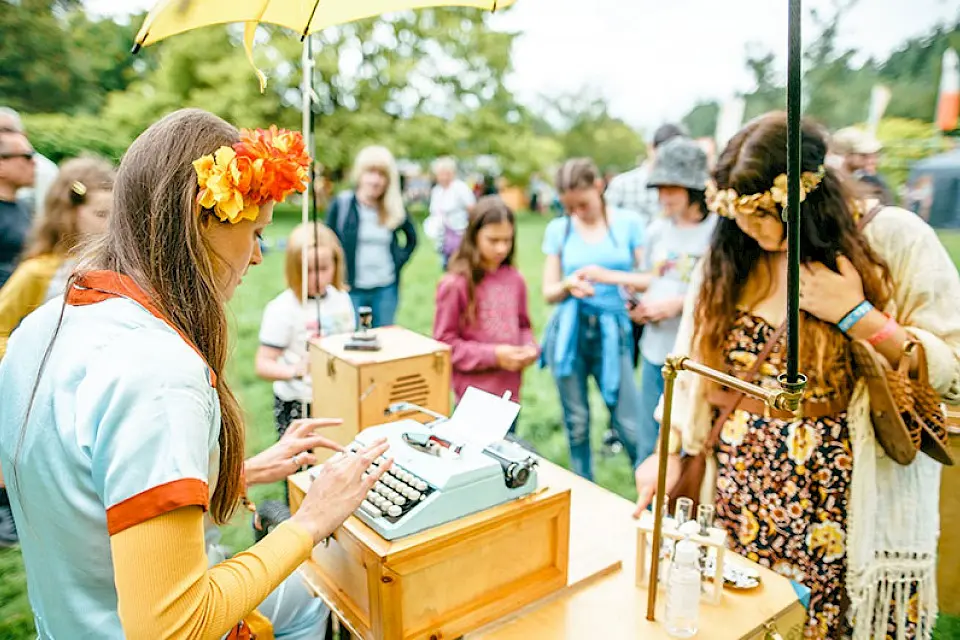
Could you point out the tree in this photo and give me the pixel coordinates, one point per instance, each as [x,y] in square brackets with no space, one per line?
[35,61]
[100,56]
[701,121]
[53,57]
[587,129]
[770,93]
[905,142]
[434,78]
[837,92]
[913,72]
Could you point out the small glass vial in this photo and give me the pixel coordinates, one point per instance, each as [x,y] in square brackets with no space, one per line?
[705,518]
[683,587]
[683,511]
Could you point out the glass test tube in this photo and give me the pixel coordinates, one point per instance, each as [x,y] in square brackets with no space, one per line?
[705,517]
[683,511]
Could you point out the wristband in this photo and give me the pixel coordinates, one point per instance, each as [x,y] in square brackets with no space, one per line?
[854,316]
[887,330]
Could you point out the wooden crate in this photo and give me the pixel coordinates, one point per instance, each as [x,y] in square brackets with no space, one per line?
[446,581]
[359,386]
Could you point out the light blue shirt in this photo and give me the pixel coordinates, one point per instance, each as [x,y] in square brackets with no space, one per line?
[375,266]
[616,252]
[124,407]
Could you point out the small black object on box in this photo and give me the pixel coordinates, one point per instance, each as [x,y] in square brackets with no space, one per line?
[364,339]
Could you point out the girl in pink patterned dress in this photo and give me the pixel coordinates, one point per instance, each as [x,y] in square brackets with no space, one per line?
[482,306]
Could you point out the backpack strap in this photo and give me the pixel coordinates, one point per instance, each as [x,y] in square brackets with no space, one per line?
[344,202]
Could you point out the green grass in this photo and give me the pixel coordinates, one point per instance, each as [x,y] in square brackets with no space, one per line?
[540,419]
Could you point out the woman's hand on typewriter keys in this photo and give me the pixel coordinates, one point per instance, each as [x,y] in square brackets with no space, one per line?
[338,489]
[294,450]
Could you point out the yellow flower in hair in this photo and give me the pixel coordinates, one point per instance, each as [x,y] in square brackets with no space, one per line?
[262,166]
[779,189]
[221,179]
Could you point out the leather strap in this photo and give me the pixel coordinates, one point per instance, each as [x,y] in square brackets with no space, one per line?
[869,216]
[736,397]
[812,410]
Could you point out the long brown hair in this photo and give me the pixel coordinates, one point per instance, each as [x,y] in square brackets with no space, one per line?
[56,230]
[749,164]
[467,261]
[154,238]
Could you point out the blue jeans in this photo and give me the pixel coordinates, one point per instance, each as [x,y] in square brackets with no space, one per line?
[651,388]
[576,407]
[382,300]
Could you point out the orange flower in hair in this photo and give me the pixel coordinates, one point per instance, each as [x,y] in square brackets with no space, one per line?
[265,165]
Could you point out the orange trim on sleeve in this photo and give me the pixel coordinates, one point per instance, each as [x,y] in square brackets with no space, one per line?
[153,502]
[97,286]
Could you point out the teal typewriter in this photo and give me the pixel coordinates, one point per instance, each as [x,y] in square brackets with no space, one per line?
[448,468]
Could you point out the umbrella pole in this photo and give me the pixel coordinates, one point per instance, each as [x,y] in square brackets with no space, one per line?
[793,381]
[306,105]
[305,88]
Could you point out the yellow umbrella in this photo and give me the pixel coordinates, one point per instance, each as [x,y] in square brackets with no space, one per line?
[171,17]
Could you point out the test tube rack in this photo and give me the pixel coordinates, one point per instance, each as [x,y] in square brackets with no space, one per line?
[715,539]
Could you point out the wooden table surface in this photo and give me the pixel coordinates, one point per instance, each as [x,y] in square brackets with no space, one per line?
[602,599]
[612,606]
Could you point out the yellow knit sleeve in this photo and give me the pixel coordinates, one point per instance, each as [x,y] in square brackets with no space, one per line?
[24,292]
[166,590]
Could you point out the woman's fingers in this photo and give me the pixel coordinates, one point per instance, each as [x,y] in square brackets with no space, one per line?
[375,474]
[644,497]
[312,442]
[307,459]
[305,426]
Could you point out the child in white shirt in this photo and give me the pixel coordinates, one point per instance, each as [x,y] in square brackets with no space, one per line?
[289,322]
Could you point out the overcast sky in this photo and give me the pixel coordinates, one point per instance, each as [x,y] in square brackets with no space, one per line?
[653,59]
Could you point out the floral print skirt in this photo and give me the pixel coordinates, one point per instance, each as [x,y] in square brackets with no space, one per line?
[782,497]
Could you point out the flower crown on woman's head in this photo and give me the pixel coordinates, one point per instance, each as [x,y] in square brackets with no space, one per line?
[264,165]
[727,202]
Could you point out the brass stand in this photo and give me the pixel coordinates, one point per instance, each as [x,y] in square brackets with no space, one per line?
[787,398]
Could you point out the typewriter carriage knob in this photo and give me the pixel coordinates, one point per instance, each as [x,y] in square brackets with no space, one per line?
[517,474]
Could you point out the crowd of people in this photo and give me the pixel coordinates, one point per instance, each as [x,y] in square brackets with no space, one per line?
[122,443]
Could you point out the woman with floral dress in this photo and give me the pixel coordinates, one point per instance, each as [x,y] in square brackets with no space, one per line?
[815,498]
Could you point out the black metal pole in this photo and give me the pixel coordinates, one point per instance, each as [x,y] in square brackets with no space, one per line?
[794,80]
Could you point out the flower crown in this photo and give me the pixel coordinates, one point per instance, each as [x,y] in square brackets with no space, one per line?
[264,165]
[728,203]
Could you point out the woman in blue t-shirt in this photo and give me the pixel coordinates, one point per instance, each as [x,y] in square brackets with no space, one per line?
[590,334]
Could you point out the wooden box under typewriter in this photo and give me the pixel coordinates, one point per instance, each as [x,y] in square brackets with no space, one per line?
[446,581]
[360,386]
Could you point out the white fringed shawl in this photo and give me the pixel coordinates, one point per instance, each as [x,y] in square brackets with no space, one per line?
[893,517]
